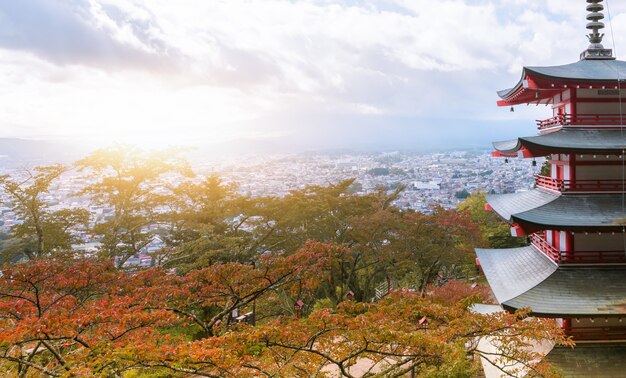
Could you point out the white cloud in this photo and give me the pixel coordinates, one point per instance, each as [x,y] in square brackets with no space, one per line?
[136,68]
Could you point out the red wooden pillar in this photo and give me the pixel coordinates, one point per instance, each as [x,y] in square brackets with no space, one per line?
[567,326]
[569,249]
[556,239]
[573,99]
[572,169]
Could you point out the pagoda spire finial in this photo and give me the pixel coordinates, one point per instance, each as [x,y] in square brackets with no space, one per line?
[595,49]
[595,15]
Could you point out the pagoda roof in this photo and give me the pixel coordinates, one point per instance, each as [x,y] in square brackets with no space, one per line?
[576,292]
[506,205]
[541,209]
[587,70]
[540,83]
[577,212]
[512,272]
[526,278]
[590,360]
[567,140]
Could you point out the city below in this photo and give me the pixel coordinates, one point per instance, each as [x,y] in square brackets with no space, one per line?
[429,180]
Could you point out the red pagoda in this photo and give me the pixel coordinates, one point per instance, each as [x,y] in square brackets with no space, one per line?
[574,268]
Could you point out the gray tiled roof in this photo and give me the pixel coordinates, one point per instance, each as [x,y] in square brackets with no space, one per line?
[585,361]
[513,203]
[596,70]
[508,146]
[568,139]
[571,212]
[512,272]
[583,70]
[576,292]
[505,92]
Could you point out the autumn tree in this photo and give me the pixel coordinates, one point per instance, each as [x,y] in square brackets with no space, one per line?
[401,334]
[209,296]
[332,214]
[40,230]
[428,244]
[212,223]
[72,317]
[322,213]
[85,317]
[131,183]
[65,316]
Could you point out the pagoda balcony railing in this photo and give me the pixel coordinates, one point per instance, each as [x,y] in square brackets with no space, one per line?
[580,185]
[598,333]
[594,257]
[577,257]
[582,120]
[542,245]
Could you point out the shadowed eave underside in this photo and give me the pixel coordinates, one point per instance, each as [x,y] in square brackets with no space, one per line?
[567,140]
[580,212]
[541,209]
[550,78]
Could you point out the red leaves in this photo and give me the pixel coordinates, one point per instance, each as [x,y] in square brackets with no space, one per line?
[455,291]
[100,321]
[75,306]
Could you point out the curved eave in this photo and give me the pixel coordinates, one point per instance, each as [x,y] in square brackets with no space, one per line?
[524,95]
[573,140]
[537,84]
[512,272]
[579,292]
[506,205]
[580,212]
[508,147]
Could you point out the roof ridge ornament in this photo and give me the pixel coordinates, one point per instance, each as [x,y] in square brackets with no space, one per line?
[595,49]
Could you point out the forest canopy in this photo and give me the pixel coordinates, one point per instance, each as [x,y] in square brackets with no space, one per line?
[319,282]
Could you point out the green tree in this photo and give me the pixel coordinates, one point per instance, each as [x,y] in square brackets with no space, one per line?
[131,183]
[462,194]
[208,222]
[211,224]
[332,214]
[495,232]
[427,245]
[40,231]
[323,213]
[545,168]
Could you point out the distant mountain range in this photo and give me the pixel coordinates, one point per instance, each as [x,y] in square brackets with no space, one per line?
[14,149]
[311,135]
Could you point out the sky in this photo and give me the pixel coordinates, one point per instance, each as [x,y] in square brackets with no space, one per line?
[335,74]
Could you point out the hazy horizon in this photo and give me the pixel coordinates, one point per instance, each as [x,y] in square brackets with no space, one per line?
[397,136]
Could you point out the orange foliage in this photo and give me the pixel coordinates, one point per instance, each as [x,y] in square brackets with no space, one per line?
[85,317]
[66,310]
